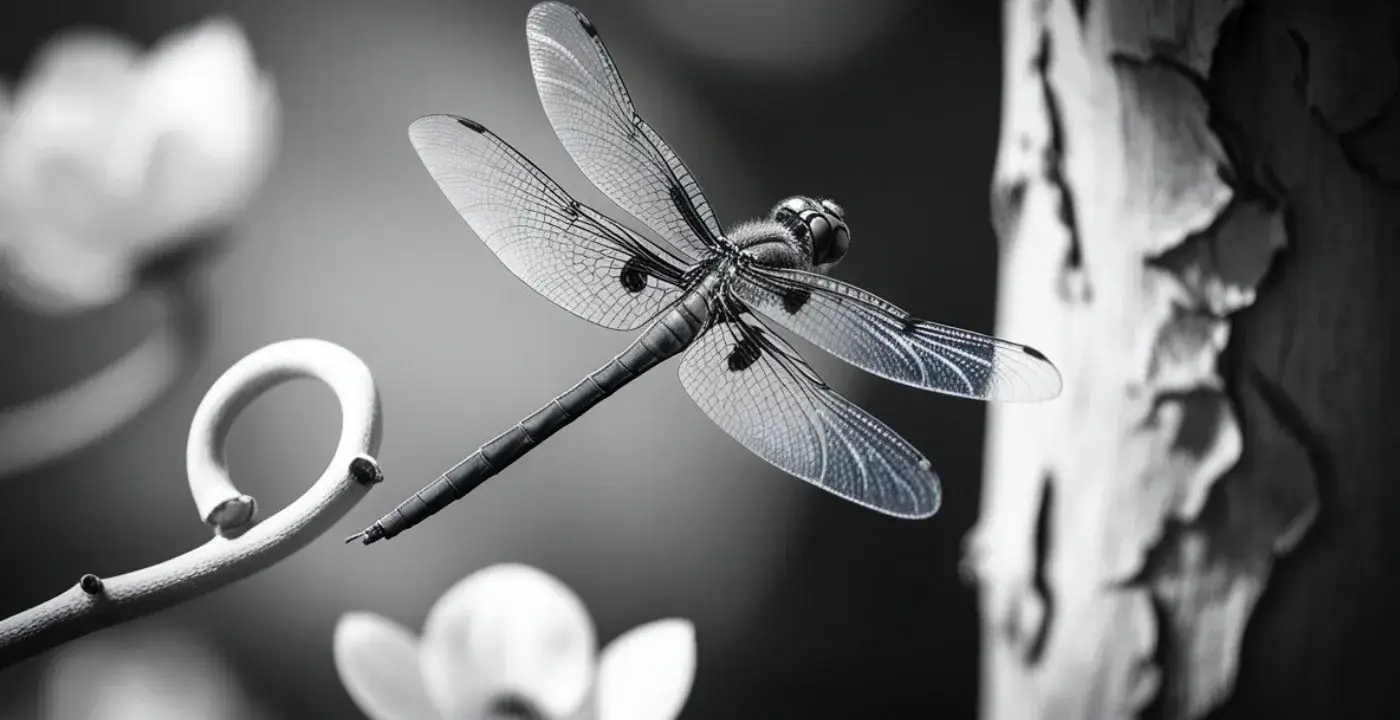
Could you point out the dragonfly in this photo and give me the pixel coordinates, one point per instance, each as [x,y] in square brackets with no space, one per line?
[702,292]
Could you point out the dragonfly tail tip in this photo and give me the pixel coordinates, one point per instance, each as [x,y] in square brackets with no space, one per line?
[367,536]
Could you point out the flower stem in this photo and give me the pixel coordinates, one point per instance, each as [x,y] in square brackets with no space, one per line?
[241,546]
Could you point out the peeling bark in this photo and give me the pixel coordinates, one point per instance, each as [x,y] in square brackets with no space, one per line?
[1198,211]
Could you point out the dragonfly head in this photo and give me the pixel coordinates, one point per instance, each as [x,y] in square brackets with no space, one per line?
[825,224]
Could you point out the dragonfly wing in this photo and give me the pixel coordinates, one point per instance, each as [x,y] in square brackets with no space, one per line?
[759,390]
[568,252]
[882,339]
[588,105]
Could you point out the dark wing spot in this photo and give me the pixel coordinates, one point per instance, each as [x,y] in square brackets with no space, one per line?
[572,209]
[472,125]
[1035,353]
[688,211]
[794,299]
[587,25]
[633,276]
[744,354]
[911,324]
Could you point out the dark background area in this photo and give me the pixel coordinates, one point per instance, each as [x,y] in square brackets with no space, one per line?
[805,606]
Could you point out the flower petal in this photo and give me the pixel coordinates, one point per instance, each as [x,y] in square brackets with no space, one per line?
[202,131]
[81,61]
[74,94]
[53,153]
[54,276]
[508,630]
[377,660]
[646,673]
[64,237]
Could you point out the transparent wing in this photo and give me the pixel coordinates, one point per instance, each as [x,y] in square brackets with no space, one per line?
[878,337]
[592,114]
[760,391]
[568,252]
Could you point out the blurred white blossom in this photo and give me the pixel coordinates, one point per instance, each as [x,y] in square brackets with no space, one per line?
[511,641]
[146,674]
[109,156]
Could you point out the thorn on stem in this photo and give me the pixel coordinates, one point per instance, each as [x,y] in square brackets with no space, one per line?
[91,584]
[366,471]
[233,515]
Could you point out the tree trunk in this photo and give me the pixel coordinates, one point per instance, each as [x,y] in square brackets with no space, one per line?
[1198,205]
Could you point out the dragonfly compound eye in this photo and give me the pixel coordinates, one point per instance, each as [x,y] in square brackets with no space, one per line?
[830,236]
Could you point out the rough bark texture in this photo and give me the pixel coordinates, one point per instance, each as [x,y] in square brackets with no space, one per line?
[1199,208]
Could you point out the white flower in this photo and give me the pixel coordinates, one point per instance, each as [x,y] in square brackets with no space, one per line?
[513,641]
[108,157]
[146,674]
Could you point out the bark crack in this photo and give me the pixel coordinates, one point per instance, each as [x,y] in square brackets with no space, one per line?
[1301,44]
[1073,284]
[1373,147]
[1299,519]
[1039,583]
[1363,116]
[1008,202]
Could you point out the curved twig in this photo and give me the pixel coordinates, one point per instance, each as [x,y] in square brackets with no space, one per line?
[242,546]
[43,430]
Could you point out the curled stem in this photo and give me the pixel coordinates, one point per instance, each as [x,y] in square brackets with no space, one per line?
[42,430]
[241,546]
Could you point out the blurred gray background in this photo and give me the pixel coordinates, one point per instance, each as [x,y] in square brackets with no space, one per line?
[805,606]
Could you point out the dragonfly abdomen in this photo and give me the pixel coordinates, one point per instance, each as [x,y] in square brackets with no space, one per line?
[672,333]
